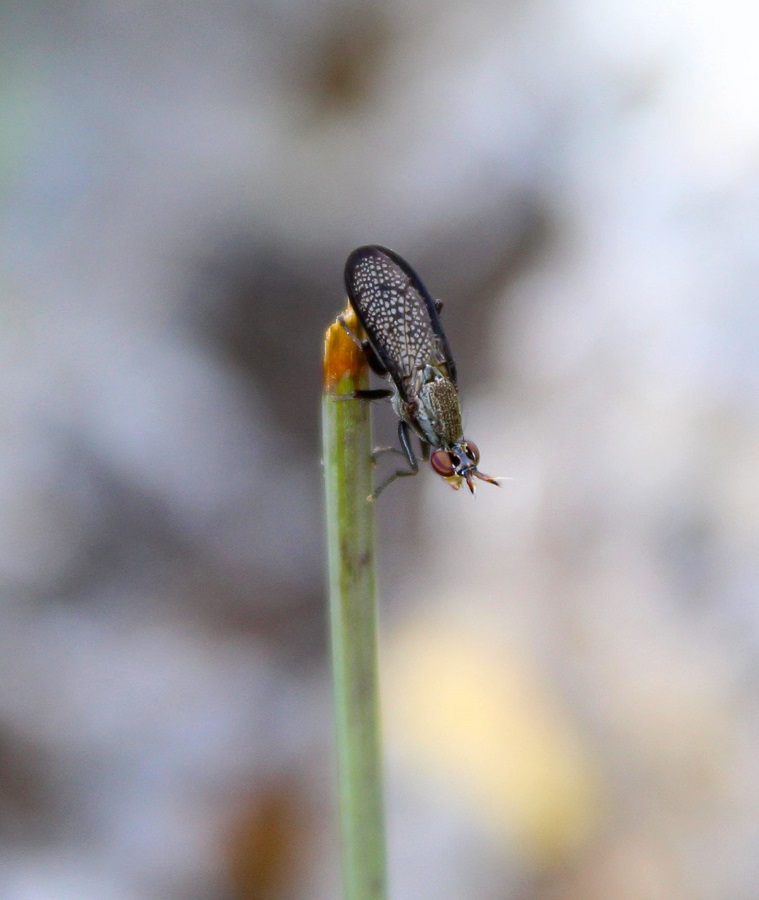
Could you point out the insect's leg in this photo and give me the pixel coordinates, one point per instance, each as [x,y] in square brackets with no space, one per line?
[378,451]
[371,357]
[350,332]
[374,361]
[404,436]
[371,394]
[405,439]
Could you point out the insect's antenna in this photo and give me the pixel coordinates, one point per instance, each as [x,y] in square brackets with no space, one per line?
[492,479]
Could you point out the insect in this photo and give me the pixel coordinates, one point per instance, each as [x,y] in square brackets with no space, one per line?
[407,345]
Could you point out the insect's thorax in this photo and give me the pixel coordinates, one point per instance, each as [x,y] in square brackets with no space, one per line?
[432,407]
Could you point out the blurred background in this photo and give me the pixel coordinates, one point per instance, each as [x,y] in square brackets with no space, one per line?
[569,663]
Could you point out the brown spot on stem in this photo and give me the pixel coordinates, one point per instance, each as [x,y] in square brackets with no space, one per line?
[342,358]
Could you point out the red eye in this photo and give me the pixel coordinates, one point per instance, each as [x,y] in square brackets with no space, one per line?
[442,463]
[472,451]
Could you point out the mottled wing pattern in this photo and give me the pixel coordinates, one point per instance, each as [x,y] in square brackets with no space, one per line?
[396,312]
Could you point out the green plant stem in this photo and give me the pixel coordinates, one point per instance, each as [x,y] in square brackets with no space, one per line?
[347,446]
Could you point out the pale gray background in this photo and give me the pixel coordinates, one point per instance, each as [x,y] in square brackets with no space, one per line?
[180,186]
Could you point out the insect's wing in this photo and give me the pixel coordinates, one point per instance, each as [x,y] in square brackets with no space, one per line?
[397,313]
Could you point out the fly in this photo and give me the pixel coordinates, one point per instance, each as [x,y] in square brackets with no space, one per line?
[406,345]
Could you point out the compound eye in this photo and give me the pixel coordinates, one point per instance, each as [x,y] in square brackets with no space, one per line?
[472,451]
[442,463]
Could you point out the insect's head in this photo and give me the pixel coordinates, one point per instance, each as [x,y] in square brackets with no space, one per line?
[459,464]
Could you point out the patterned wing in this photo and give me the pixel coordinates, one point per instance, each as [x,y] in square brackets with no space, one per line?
[397,313]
